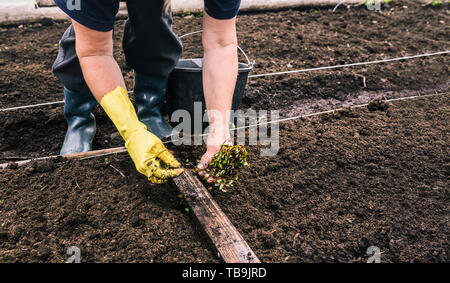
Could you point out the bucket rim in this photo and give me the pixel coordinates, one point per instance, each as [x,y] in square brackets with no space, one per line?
[245,69]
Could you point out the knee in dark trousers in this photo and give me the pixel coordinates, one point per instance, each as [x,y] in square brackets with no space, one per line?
[67,66]
[151,48]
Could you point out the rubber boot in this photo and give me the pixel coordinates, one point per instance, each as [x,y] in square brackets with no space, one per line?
[150,93]
[81,122]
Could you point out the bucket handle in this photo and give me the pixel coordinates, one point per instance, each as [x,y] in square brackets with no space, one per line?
[249,63]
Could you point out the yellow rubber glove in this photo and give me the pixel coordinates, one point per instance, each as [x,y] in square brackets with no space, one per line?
[145,148]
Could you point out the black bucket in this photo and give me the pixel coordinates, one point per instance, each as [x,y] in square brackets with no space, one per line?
[185,87]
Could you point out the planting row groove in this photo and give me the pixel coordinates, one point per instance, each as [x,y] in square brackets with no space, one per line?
[277,73]
[117,150]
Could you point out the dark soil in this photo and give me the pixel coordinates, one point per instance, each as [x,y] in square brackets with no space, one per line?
[340,183]
[47,207]
[31,133]
[347,181]
[277,41]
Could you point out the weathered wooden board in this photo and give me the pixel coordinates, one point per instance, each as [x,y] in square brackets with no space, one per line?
[227,241]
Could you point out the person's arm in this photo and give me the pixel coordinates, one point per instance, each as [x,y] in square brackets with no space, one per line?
[104,78]
[220,69]
[95,53]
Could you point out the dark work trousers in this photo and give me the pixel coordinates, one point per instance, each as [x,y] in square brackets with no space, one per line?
[150,46]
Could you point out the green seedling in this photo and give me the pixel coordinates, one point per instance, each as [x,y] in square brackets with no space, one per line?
[43,187]
[436,3]
[372,2]
[226,164]
[188,13]
[180,199]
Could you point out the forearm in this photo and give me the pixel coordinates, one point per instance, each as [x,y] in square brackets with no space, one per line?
[102,74]
[104,78]
[219,79]
[219,71]
[95,53]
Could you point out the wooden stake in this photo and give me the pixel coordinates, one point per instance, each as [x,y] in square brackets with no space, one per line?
[225,238]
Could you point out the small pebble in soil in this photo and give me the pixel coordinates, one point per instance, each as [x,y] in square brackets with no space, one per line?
[319,133]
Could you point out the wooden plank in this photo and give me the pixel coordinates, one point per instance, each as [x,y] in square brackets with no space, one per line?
[227,241]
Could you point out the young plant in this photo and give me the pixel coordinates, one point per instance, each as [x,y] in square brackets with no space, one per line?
[436,3]
[226,164]
[188,13]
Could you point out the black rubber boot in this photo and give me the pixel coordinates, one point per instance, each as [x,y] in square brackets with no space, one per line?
[150,93]
[81,122]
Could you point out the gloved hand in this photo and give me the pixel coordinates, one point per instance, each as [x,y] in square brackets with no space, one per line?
[146,150]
